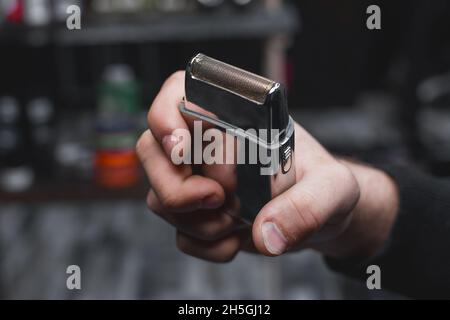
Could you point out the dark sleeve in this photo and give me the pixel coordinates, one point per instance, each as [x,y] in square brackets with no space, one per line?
[415,261]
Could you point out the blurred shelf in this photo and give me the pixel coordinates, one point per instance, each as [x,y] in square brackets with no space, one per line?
[24,35]
[151,28]
[255,23]
[74,192]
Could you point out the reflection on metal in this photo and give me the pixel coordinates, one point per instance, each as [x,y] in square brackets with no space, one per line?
[244,105]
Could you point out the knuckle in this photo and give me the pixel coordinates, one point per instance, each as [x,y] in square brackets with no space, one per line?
[212,232]
[344,178]
[351,191]
[312,216]
[182,244]
[222,254]
[207,234]
[226,257]
[228,251]
[152,116]
[176,76]
[157,110]
[150,201]
[174,79]
[142,145]
[342,172]
[169,201]
[306,209]
[216,228]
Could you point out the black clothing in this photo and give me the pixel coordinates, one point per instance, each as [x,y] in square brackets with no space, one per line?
[416,259]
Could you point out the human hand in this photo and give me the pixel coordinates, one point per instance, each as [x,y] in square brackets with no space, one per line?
[336,206]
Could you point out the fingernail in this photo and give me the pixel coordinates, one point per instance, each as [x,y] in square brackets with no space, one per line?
[274,240]
[169,142]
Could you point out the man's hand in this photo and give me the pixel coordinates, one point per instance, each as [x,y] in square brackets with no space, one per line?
[340,208]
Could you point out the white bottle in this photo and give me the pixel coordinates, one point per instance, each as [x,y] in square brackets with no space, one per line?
[37,12]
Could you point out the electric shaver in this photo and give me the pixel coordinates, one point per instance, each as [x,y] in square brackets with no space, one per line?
[252,110]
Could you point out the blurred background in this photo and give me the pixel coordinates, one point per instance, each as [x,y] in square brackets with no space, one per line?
[73,102]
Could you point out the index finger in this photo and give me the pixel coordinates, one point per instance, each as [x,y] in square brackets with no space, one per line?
[164,116]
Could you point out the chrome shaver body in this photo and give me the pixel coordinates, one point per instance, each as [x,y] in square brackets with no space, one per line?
[253,110]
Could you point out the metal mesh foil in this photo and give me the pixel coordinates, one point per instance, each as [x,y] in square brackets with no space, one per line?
[235,80]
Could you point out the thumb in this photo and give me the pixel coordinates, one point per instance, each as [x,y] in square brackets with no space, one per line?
[292,217]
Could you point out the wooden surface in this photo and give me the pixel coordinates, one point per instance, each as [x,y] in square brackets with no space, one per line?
[66,191]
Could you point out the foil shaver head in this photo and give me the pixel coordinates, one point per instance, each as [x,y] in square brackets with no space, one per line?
[239,99]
